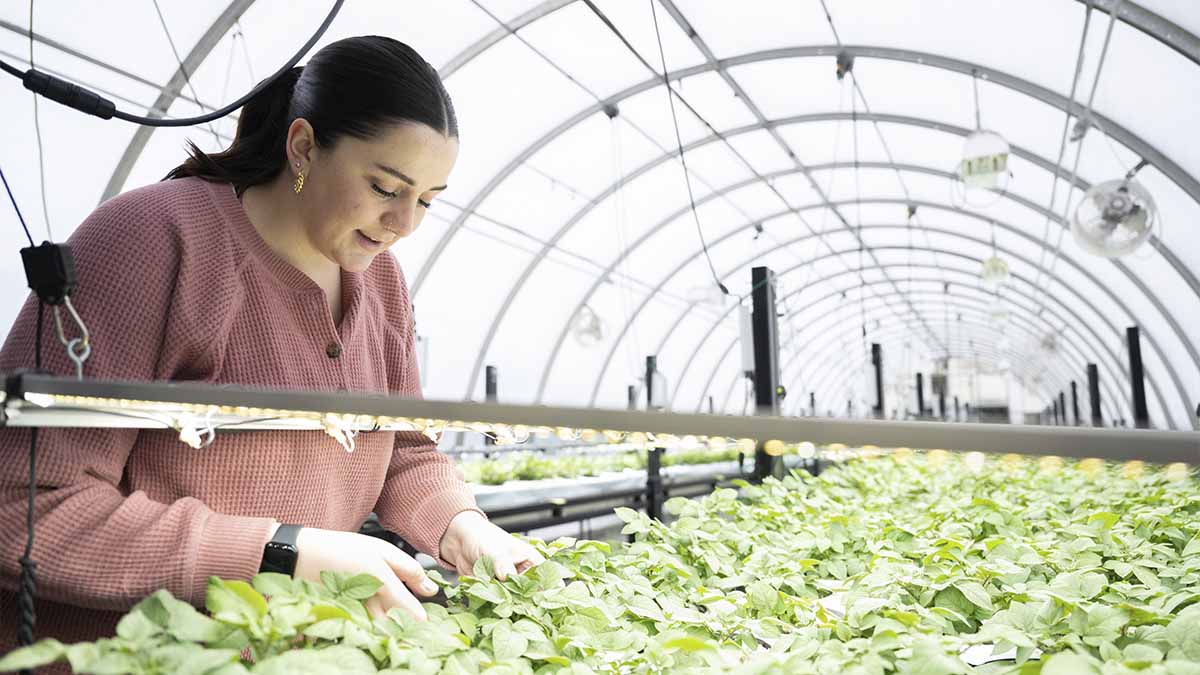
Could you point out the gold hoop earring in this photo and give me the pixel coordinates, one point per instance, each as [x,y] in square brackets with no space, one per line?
[299,183]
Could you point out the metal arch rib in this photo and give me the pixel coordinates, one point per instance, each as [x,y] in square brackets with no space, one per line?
[840,375]
[1173,260]
[486,42]
[1113,297]
[1116,131]
[970,214]
[1102,349]
[957,350]
[1156,26]
[1028,327]
[1096,344]
[54,44]
[1034,158]
[170,92]
[966,347]
[830,377]
[1146,21]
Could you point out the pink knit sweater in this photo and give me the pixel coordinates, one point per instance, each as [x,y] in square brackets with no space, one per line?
[176,284]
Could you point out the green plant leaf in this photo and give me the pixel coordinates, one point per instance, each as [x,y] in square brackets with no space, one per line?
[234,601]
[508,644]
[1067,663]
[136,628]
[976,593]
[36,655]
[361,586]
[272,584]
[484,569]
[335,660]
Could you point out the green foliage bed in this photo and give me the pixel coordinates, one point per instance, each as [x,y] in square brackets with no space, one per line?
[514,466]
[894,565]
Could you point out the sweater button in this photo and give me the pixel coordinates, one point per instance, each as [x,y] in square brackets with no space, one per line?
[334,350]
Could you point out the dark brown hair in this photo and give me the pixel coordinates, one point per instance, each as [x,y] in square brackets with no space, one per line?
[353,87]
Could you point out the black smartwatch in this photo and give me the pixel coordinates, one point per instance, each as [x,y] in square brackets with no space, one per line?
[279,555]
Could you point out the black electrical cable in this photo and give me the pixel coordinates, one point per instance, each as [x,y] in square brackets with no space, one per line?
[28,586]
[679,141]
[87,101]
[16,208]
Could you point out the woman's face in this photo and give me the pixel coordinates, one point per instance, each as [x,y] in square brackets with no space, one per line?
[361,196]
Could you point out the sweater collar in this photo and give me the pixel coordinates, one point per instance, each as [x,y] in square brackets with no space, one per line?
[287,274]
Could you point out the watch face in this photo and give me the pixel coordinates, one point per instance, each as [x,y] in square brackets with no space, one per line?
[279,557]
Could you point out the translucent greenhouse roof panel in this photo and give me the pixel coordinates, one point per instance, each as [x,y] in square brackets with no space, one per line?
[555,208]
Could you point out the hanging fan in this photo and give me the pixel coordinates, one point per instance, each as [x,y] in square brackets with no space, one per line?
[586,327]
[1114,218]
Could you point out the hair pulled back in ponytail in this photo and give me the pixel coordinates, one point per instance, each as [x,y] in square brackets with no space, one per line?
[353,87]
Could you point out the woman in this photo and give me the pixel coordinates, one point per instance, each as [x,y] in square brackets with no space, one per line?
[266,266]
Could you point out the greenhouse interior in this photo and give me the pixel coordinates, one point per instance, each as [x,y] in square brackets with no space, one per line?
[600,337]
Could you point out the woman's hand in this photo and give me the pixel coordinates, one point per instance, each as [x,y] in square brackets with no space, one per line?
[470,536]
[359,554]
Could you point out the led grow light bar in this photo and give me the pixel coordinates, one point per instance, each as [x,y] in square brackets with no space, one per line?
[45,401]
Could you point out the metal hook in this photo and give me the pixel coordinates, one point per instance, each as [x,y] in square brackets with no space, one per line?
[85,350]
[80,348]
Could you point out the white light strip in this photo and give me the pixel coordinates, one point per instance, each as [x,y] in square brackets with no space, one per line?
[92,403]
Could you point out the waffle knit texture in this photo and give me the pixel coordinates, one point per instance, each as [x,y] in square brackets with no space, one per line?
[176,284]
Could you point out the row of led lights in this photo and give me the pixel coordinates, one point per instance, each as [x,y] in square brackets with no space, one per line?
[194,421]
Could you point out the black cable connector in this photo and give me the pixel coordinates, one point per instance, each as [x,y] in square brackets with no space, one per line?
[68,94]
[50,271]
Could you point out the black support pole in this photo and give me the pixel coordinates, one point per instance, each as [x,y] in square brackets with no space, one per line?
[920,395]
[1075,403]
[812,403]
[877,362]
[1093,374]
[1062,407]
[942,404]
[1141,414]
[651,367]
[491,383]
[764,323]
[491,377]
[956,409]
[631,392]
[1054,409]
[654,483]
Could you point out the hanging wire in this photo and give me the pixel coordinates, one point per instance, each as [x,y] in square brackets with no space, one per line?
[1086,118]
[37,127]
[679,142]
[632,346]
[241,33]
[1062,144]
[186,77]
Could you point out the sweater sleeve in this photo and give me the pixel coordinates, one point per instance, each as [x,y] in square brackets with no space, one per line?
[96,544]
[423,490]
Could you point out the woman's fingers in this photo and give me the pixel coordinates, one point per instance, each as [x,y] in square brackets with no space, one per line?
[409,571]
[395,594]
[505,568]
[375,607]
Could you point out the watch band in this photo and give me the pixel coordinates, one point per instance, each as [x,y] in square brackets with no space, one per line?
[280,554]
